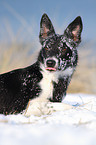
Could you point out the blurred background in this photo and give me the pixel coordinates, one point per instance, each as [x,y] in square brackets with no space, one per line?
[19,30]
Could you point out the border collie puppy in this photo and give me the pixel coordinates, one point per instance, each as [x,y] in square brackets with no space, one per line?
[40,88]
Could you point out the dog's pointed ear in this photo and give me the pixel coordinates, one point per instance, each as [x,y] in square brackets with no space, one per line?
[74,30]
[46,28]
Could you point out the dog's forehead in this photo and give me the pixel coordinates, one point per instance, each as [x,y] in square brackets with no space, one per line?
[65,43]
[56,41]
[52,40]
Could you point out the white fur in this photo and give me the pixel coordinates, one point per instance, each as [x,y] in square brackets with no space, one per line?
[41,104]
[44,108]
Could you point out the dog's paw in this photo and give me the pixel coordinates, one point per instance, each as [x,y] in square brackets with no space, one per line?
[58,106]
[45,108]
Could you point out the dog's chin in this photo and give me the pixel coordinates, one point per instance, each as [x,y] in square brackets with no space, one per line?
[50,69]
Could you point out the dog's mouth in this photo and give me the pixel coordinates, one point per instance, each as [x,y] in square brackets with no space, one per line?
[50,68]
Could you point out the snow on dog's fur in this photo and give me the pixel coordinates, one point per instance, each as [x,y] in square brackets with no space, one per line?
[38,88]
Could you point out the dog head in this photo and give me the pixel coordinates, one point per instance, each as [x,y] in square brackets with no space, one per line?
[59,51]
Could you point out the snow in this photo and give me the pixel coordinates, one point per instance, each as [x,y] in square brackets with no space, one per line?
[76,126]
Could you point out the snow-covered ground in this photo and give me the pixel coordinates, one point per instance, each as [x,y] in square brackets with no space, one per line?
[76,126]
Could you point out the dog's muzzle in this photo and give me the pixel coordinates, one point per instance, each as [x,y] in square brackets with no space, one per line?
[51,64]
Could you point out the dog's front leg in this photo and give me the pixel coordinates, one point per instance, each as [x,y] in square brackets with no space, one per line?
[44,108]
[59,91]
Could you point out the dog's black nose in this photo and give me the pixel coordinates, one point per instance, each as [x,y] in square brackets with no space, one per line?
[50,63]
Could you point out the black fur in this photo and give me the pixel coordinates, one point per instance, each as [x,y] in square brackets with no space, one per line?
[19,86]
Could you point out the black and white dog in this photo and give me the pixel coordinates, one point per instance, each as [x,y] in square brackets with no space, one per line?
[32,90]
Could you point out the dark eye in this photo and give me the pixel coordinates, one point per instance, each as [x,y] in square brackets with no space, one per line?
[64,49]
[46,48]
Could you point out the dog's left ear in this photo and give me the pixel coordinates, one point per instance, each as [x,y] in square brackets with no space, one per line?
[46,28]
[74,30]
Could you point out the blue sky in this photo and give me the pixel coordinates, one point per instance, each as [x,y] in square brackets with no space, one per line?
[61,12]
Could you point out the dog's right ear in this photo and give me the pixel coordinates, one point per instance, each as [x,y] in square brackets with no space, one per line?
[46,28]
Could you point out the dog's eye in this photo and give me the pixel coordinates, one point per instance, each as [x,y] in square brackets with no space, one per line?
[64,49]
[46,48]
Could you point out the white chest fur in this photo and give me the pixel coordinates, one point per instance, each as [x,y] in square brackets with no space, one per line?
[46,84]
